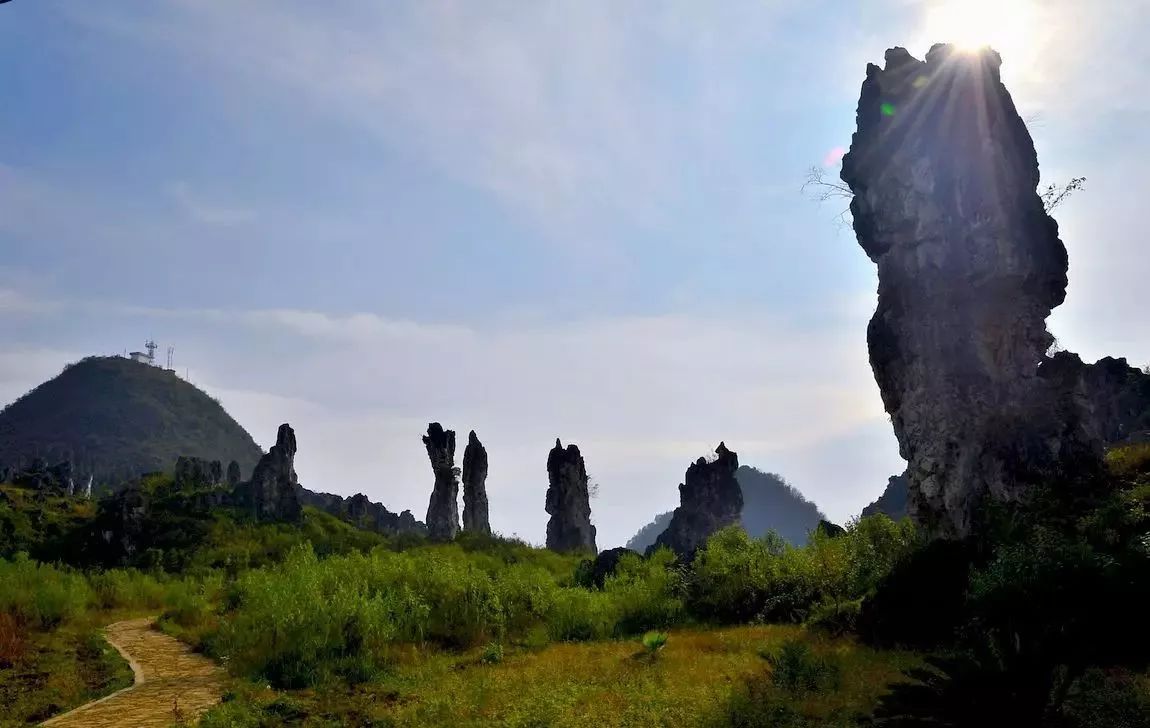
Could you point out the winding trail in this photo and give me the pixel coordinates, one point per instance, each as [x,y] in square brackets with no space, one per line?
[172,683]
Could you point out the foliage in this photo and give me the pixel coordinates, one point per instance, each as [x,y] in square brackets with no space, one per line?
[796,669]
[736,578]
[654,641]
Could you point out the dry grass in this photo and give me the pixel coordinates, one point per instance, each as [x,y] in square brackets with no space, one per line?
[13,640]
[697,676]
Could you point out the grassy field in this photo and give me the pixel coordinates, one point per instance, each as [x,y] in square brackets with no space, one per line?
[701,677]
[45,673]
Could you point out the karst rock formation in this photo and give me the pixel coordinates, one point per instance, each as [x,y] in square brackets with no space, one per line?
[443,508]
[568,501]
[272,493]
[944,176]
[709,499]
[475,516]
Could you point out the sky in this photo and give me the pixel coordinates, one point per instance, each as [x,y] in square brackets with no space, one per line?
[577,219]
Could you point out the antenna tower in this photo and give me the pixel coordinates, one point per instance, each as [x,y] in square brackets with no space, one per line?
[151,347]
[170,351]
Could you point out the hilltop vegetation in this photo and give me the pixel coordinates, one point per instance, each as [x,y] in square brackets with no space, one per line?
[115,418]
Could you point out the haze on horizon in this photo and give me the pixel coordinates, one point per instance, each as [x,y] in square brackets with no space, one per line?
[564,219]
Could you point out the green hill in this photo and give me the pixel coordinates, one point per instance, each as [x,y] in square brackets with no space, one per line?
[770,503]
[115,418]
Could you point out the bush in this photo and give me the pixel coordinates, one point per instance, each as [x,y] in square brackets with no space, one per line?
[735,578]
[645,593]
[492,654]
[836,618]
[797,670]
[654,641]
[42,595]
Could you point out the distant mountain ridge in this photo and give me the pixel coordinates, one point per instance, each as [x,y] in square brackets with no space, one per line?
[770,503]
[115,418]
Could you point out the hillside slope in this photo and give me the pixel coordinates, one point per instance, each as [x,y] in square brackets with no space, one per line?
[115,418]
[770,503]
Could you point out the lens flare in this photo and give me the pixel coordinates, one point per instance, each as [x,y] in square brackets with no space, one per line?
[1007,26]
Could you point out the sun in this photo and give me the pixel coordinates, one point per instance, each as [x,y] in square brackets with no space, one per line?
[1007,26]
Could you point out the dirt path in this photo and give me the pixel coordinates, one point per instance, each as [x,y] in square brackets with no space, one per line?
[172,683]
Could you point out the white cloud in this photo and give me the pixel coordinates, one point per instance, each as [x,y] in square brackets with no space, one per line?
[642,396]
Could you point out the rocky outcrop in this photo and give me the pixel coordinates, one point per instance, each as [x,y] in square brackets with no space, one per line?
[892,502]
[233,475]
[272,493]
[475,517]
[55,480]
[944,173]
[122,521]
[594,572]
[364,513]
[568,501]
[443,508]
[192,473]
[1112,396]
[709,499]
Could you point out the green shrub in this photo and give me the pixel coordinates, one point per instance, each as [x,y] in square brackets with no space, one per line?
[40,594]
[579,614]
[654,641]
[645,593]
[797,670]
[835,618]
[492,653]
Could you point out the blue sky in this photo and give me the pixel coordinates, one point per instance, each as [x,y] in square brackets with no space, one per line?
[573,219]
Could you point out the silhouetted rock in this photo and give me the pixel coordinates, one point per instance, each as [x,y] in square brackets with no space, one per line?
[272,494]
[233,476]
[568,501]
[443,508]
[833,530]
[944,173]
[892,502]
[709,499]
[364,513]
[475,517]
[604,565]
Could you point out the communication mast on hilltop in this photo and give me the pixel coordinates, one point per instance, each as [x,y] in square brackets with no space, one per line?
[151,347]
[170,351]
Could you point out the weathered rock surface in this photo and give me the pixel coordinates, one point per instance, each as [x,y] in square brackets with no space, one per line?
[272,493]
[55,480]
[709,499]
[192,473]
[944,173]
[123,519]
[568,501]
[363,512]
[443,508]
[475,516]
[233,475]
[1112,396]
